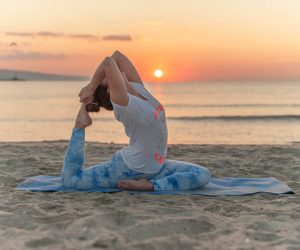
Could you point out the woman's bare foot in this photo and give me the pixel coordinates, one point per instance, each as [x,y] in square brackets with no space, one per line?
[138,185]
[83,119]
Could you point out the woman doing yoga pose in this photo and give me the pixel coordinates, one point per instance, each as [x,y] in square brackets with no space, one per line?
[141,165]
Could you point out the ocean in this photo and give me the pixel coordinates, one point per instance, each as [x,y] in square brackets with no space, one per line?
[197,113]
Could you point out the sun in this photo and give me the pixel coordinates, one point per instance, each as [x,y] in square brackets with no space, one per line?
[158,73]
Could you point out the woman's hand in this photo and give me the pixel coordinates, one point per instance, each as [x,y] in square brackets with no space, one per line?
[86,94]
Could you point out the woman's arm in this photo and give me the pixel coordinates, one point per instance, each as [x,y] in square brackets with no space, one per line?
[117,87]
[86,93]
[116,82]
[126,66]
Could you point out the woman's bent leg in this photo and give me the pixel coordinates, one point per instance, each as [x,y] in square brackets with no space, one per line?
[180,175]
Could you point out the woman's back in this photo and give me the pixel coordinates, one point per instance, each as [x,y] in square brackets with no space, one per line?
[145,124]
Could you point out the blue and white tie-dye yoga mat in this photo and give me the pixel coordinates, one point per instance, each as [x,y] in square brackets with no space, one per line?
[216,186]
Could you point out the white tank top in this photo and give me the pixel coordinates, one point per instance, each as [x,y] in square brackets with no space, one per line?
[145,125]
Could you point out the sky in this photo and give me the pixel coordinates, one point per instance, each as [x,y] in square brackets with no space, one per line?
[191,40]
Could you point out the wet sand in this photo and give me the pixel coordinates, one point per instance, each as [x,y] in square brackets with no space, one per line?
[34,220]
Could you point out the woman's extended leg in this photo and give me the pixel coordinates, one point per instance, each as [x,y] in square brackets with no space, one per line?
[74,157]
[106,174]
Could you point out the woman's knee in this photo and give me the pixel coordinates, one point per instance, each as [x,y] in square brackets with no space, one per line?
[203,175]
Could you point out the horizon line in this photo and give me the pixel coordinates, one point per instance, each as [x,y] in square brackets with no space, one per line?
[159,80]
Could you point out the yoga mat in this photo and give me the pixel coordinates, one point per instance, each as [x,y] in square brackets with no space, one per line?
[228,186]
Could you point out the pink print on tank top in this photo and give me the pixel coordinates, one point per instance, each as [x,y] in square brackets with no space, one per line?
[158,108]
[159,158]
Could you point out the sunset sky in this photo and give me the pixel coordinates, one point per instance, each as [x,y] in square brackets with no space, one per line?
[188,40]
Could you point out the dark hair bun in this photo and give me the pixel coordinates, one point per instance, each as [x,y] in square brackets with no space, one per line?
[102,97]
[92,107]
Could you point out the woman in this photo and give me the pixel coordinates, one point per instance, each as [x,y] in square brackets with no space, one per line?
[142,165]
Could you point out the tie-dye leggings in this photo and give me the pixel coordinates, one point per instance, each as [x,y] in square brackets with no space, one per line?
[174,175]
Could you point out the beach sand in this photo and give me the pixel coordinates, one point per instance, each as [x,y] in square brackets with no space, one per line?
[30,220]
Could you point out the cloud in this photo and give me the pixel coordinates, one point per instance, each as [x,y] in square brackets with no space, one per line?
[117,38]
[21,55]
[32,34]
[49,34]
[85,36]
[76,36]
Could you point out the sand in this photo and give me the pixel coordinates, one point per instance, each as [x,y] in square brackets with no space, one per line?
[31,220]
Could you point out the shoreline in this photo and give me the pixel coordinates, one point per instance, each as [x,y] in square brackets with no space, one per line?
[120,221]
[169,144]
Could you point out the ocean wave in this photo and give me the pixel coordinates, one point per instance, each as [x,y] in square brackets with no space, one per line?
[237,118]
[176,118]
[103,119]
[246,105]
